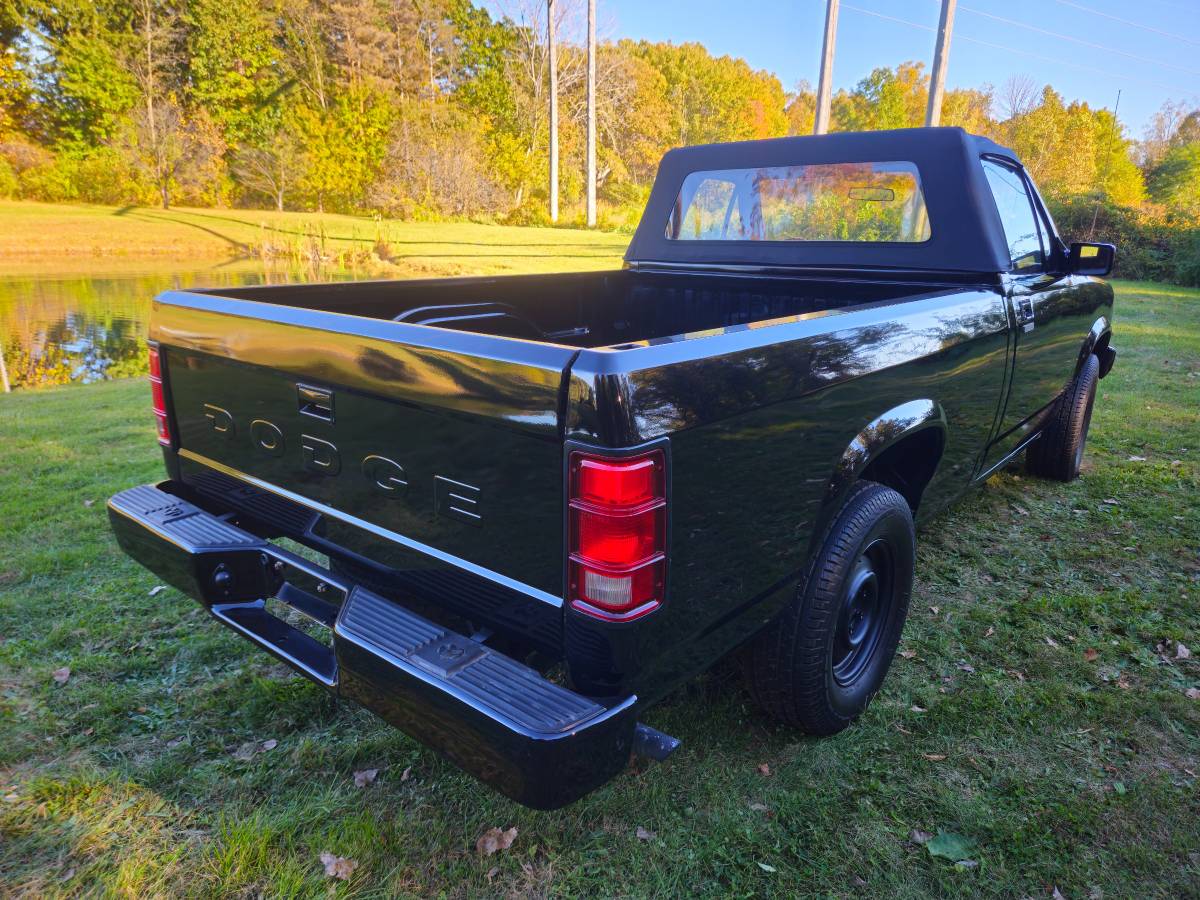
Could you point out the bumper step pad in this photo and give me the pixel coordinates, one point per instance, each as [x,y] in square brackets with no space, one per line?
[533,740]
[491,679]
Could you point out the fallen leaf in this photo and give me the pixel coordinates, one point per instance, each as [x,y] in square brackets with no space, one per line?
[1056,894]
[908,654]
[1020,510]
[934,609]
[766,868]
[918,709]
[760,807]
[175,742]
[1182,652]
[89,503]
[1090,654]
[365,777]
[406,773]
[69,874]
[494,839]
[966,864]
[989,632]
[1123,682]
[917,836]
[966,667]
[245,751]
[951,846]
[338,866]
[764,769]
[61,675]
[644,834]
[88,732]
[1052,642]
[934,757]
[1192,693]
[158,589]
[492,873]
[269,744]
[1017,674]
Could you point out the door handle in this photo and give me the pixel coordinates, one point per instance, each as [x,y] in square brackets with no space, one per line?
[314,401]
[1023,307]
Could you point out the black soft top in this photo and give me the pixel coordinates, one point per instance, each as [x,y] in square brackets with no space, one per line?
[965,230]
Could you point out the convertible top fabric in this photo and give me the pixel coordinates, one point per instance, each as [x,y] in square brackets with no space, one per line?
[965,230]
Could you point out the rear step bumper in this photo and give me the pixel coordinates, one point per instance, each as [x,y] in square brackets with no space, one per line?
[533,740]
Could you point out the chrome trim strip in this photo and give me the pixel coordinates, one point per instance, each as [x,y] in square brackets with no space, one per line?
[495,577]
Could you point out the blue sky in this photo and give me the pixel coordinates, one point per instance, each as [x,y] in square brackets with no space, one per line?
[1150,64]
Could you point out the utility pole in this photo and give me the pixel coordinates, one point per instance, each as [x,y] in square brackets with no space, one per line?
[553,111]
[591,115]
[825,82]
[941,61]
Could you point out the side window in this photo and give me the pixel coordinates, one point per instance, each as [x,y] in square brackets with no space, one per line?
[1021,230]
[713,213]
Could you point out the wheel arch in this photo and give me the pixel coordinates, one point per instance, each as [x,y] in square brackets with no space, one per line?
[901,448]
[1097,340]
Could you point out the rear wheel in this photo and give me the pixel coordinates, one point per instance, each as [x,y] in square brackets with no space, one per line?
[818,667]
[1058,453]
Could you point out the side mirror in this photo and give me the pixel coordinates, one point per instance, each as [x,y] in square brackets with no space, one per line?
[1091,259]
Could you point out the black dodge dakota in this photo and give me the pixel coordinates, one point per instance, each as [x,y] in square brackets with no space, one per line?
[508,513]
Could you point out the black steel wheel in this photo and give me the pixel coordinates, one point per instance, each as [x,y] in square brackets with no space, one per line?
[818,666]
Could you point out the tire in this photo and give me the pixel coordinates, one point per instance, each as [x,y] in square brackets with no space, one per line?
[805,669]
[1058,453]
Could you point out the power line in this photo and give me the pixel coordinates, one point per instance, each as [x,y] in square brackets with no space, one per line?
[1131,24]
[1050,59]
[1066,37]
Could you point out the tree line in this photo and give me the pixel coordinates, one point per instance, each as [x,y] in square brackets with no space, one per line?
[437,108]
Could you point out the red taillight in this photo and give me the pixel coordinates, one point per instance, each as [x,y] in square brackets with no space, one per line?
[156,394]
[617,533]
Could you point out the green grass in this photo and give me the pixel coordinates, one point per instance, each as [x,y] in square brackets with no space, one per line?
[37,236]
[1066,772]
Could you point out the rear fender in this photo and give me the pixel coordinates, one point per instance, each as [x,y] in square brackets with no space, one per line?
[898,423]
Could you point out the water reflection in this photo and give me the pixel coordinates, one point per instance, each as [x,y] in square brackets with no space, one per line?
[58,328]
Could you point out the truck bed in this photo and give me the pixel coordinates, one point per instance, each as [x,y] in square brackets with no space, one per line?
[591,309]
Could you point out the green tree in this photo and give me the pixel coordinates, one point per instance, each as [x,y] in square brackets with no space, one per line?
[233,66]
[1175,179]
[887,98]
[345,147]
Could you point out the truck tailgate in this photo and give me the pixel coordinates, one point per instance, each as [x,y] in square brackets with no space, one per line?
[445,445]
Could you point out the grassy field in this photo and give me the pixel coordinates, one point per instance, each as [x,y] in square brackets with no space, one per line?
[1038,709]
[35,236]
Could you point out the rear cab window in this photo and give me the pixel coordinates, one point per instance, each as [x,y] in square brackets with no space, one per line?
[875,202]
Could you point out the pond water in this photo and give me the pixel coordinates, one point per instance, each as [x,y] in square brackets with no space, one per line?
[57,328]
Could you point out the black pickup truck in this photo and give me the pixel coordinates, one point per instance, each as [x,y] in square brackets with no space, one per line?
[517,510]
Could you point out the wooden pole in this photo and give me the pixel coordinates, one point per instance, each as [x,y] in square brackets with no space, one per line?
[941,61]
[4,372]
[591,115]
[825,82]
[553,111]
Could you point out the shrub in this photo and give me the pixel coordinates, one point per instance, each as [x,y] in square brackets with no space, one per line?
[1152,243]
[8,180]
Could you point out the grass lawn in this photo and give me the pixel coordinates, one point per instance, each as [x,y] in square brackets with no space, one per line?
[37,236]
[1038,709]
